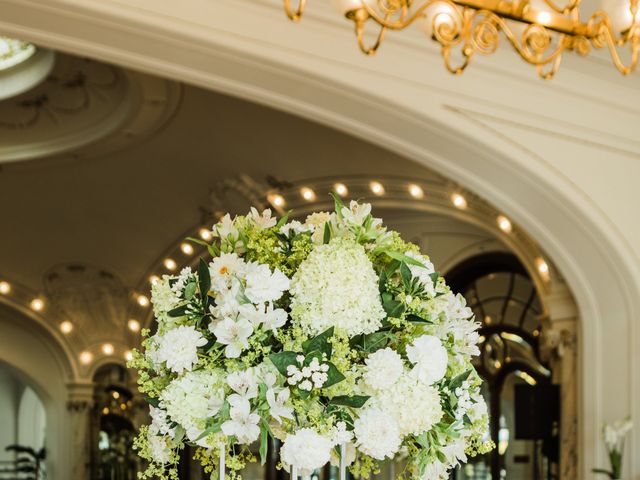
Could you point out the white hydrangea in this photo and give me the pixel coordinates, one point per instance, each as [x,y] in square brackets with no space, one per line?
[163,298]
[383,368]
[377,433]
[414,405]
[429,357]
[263,285]
[423,273]
[307,450]
[191,399]
[159,449]
[336,286]
[179,348]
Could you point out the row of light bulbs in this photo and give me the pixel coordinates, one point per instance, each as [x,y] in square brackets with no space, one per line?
[86,357]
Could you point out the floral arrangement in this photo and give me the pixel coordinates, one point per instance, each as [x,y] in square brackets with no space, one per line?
[613,435]
[333,335]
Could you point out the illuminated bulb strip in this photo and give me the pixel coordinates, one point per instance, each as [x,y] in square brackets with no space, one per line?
[86,358]
[416,191]
[170,264]
[107,349]
[205,234]
[276,200]
[142,301]
[5,288]
[308,194]
[186,248]
[341,189]
[37,304]
[133,325]
[459,201]
[66,327]
[504,223]
[376,188]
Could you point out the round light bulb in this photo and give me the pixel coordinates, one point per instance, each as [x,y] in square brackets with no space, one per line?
[186,248]
[205,234]
[341,189]
[133,325]
[142,300]
[308,194]
[5,288]
[86,357]
[459,201]
[376,188]
[504,223]
[128,355]
[170,264]
[107,349]
[66,327]
[543,267]
[153,279]
[416,191]
[37,304]
[276,200]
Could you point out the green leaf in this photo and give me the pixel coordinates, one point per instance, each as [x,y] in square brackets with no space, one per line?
[320,343]
[327,233]
[406,275]
[457,381]
[198,241]
[355,401]
[284,219]
[214,251]
[404,258]
[264,441]
[154,402]
[338,204]
[393,307]
[215,428]
[333,376]
[204,281]
[180,311]
[189,290]
[434,277]
[416,319]
[282,360]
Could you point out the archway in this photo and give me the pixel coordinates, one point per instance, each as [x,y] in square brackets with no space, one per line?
[596,260]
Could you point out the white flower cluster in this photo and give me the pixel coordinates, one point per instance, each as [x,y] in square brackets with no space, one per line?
[307,377]
[336,286]
[341,334]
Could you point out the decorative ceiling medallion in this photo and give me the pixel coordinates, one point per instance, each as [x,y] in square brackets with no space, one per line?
[13,52]
[84,108]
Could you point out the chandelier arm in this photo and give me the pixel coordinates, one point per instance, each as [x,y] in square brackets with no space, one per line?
[615,56]
[602,34]
[368,50]
[400,13]
[549,74]
[538,38]
[294,14]
[565,9]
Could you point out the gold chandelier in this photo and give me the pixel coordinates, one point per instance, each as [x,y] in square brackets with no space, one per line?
[540,31]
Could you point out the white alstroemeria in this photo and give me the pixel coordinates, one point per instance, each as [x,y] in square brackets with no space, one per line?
[277,402]
[263,285]
[429,357]
[234,334]
[356,213]
[457,307]
[271,318]
[224,268]
[264,220]
[243,424]
[179,348]
[226,302]
[244,383]
[225,228]
[455,452]
[296,227]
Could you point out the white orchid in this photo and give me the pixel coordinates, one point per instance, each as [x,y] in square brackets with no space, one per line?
[234,334]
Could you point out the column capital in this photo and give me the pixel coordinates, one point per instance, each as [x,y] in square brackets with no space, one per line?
[80,396]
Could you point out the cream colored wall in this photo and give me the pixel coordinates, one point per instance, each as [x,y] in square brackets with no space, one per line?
[560,158]
[10,390]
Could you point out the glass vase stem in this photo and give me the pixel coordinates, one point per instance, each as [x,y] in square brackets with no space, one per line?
[222,461]
[343,461]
